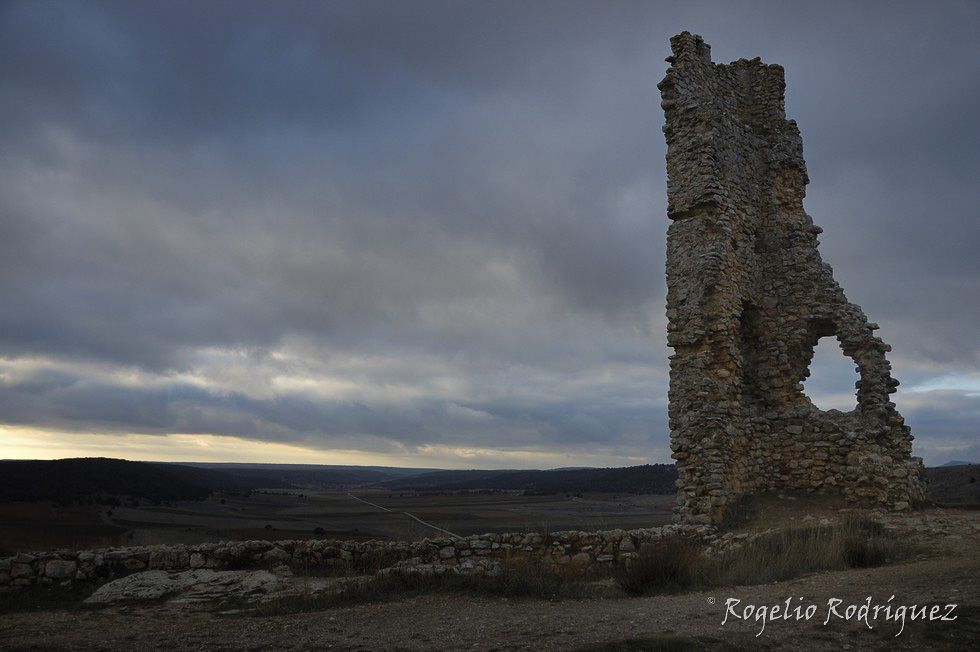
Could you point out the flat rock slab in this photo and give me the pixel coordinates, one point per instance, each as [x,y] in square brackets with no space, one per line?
[201,585]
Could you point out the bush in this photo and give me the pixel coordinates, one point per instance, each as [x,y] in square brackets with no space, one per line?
[867,543]
[864,553]
[667,566]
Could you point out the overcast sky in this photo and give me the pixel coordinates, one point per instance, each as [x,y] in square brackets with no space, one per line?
[433,233]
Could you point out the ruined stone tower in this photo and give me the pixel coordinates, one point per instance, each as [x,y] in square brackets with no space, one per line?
[748,297]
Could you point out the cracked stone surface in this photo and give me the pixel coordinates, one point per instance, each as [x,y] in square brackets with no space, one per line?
[748,298]
[201,585]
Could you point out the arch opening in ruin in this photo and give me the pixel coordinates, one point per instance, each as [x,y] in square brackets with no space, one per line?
[831,377]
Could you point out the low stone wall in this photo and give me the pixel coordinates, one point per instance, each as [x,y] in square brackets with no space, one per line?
[586,551]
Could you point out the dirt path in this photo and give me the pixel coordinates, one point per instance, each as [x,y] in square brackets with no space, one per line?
[411,516]
[451,622]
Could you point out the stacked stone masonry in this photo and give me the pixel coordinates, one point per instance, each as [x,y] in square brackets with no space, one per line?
[587,552]
[748,298]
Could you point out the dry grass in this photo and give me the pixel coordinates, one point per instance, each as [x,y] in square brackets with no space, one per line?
[670,566]
[856,542]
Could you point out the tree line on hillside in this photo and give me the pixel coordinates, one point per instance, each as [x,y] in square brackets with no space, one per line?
[104,480]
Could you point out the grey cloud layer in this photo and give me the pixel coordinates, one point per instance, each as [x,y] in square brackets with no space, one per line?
[474,186]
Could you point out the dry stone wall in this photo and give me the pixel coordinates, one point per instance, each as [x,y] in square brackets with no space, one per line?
[585,551]
[748,298]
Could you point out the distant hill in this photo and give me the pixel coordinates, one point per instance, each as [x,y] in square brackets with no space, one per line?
[954,484]
[308,478]
[313,476]
[442,479]
[957,463]
[391,471]
[655,478]
[74,479]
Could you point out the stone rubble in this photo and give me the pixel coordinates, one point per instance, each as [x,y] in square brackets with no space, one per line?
[748,298]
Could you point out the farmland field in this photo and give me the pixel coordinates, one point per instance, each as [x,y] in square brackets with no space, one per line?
[278,514]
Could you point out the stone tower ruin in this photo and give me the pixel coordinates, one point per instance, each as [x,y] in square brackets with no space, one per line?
[748,298]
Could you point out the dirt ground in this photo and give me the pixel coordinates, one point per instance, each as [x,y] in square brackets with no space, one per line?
[947,574]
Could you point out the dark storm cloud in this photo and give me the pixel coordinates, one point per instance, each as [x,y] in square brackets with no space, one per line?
[191,69]
[387,191]
[457,202]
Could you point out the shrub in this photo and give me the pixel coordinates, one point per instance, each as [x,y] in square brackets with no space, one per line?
[667,566]
[867,543]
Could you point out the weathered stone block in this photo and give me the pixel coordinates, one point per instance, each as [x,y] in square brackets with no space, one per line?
[20,571]
[581,559]
[447,552]
[276,556]
[60,569]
